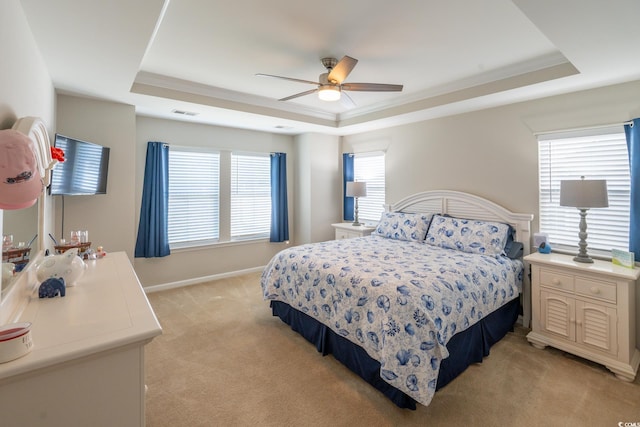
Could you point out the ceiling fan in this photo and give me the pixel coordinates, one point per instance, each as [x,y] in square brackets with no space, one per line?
[331,84]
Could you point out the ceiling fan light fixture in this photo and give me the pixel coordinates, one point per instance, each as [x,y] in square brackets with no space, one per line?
[330,84]
[329,93]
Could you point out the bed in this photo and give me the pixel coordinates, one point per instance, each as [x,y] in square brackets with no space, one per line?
[410,307]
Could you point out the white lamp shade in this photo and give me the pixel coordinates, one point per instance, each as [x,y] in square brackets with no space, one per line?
[356,189]
[329,93]
[584,193]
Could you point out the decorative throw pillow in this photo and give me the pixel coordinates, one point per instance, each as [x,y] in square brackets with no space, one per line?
[476,237]
[403,226]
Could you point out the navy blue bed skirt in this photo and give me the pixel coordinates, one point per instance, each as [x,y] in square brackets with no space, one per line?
[467,347]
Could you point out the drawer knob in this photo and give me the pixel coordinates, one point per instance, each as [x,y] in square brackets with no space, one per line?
[556,281]
[595,290]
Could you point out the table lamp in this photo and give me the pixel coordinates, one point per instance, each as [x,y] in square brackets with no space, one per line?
[584,194]
[356,189]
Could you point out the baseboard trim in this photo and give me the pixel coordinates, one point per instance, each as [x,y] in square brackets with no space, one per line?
[197,280]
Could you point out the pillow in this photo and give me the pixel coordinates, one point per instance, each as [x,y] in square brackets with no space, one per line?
[467,235]
[513,249]
[403,226]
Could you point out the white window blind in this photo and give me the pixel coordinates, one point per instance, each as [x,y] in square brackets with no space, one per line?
[370,168]
[600,154]
[250,196]
[194,197]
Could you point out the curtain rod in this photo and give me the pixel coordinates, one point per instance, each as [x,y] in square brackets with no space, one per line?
[630,123]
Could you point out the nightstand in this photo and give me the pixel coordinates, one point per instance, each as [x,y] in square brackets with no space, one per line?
[345,230]
[585,309]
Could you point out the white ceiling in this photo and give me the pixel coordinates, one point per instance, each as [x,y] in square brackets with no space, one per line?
[201,56]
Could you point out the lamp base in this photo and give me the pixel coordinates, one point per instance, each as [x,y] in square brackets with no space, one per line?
[356,223]
[585,259]
[582,253]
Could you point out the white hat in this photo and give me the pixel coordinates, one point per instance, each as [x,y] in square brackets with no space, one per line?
[20,180]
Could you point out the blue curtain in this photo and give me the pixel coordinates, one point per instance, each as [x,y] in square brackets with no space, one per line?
[347,175]
[153,238]
[632,132]
[279,208]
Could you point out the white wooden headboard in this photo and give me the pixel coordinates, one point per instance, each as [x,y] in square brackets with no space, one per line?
[469,206]
[465,205]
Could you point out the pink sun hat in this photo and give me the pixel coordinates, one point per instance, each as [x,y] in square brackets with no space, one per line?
[20,180]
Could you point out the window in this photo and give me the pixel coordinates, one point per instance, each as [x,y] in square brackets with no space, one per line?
[250,196]
[370,168]
[194,197]
[197,202]
[599,154]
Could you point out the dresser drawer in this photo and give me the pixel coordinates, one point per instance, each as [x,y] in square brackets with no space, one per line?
[349,231]
[555,280]
[342,234]
[596,289]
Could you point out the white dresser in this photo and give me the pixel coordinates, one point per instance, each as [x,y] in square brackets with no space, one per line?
[87,363]
[585,309]
[346,230]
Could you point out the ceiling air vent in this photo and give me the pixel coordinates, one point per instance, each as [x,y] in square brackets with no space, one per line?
[184,113]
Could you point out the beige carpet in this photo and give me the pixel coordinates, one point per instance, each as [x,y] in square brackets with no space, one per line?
[223,360]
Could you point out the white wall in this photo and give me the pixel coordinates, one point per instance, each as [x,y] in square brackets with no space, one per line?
[191,263]
[109,218]
[25,85]
[302,224]
[319,190]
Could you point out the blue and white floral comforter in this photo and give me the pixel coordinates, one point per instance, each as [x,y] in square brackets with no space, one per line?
[401,301]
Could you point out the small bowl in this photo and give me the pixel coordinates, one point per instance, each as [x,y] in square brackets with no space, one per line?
[15,341]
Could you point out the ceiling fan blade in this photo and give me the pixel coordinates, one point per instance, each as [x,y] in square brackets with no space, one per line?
[297,95]
[287,78]
[342,69]
[372,87]
[346,100]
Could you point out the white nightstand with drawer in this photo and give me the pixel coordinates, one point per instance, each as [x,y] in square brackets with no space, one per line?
[585,309]
[346,230]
